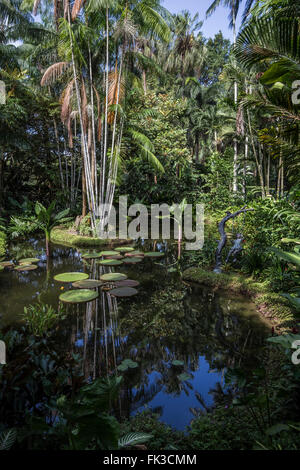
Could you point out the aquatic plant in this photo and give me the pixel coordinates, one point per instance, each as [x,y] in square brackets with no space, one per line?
[40,317]
[113,277]
[87,284]
[123,292]
[78,296]
[46,219]
[71,277]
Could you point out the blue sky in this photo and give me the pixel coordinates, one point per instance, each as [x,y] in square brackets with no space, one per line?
[218,21]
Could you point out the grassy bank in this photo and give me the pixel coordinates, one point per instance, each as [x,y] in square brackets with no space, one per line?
[2,243]
[67,237]
[269,304]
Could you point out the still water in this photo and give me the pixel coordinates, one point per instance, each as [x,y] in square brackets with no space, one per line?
[169,320]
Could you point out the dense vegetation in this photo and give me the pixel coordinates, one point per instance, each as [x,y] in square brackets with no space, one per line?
[106,98]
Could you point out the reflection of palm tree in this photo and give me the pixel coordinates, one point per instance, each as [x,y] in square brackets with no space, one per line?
[210,329]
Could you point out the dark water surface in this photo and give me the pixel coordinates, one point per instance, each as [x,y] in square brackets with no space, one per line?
[168,320]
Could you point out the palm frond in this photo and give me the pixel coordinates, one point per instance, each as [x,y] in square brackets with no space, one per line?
[132,439]
[7,439]
[54,72]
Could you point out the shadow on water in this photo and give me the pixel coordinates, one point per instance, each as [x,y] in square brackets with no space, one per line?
[202,331]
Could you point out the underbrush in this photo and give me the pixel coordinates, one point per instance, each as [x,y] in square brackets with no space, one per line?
[2,243]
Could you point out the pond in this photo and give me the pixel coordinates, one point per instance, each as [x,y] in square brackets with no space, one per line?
[178,338]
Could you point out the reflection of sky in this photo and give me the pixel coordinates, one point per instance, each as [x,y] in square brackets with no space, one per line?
[176,408]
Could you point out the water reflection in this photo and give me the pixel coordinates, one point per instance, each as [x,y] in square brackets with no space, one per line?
[167,321]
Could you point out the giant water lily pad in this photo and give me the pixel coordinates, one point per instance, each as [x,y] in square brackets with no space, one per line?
[123,292]
[6,264]
[78,296]
[91,255]
[124,249]
[127,364]
[29,260]
[113,277]
[154,254]
[111,262]
[177,363]
[134,253]
[108,253]
[118,256]
[127,283]
[87,284]
[29,267]
[71,277]
[133,260]
[184,376]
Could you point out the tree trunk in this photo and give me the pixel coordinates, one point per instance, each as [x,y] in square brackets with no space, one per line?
[84,198]
[144,82]
[48,245]
[235,144]
[1,182]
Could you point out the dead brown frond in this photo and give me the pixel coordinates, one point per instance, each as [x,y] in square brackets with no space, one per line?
[65,101]
[54,72]
[35,7]
[76,8]
[116,91]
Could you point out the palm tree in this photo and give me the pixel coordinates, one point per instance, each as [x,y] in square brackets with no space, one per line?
[234,6]
[186,53]
[268,44]
[46,220]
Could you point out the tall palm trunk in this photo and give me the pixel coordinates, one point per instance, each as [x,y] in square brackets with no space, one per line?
[235,143]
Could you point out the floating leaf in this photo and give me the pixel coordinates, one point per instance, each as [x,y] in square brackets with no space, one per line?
[184,376]
[154,254]
[91,255]
[134,260]
[127,283]
[123,292]
[5,264]
[108,253]
[111,262]
[78,296]
[177,363]
[134,253]
[29,267]
[29,260]
[118,256]
[113,277]
[127,364]
[124,249]
[87,284]
[71,277]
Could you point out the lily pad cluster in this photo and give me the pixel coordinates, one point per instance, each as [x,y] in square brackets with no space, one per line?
[78,296]
[86,290]
[127,364]
[25,264]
